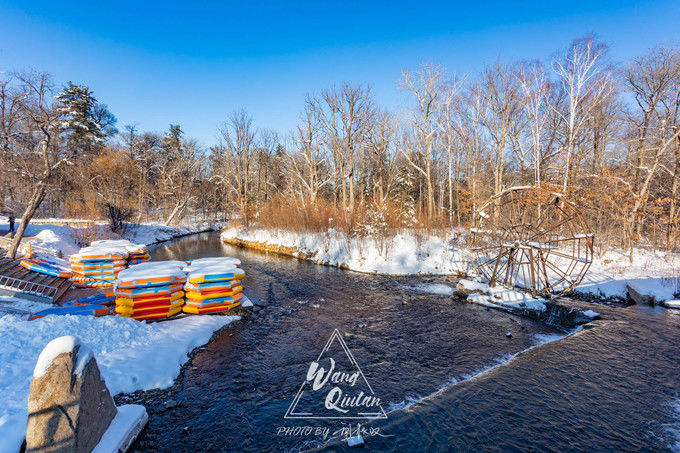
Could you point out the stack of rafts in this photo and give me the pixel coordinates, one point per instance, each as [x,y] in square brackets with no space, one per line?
[137,253]
[213,285]
[46,264]
[150,290]
[100,263]
[97,266]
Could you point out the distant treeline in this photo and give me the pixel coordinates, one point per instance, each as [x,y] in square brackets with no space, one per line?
[605,133]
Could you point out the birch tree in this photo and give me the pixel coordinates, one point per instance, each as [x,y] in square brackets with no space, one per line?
[426,85]
[578,69]
[535,87]
[307,164]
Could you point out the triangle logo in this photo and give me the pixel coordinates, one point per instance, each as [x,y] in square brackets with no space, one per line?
[335,387]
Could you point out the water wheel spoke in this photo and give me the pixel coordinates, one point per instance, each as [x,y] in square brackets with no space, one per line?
[533,239]
[563,276]
[567,256]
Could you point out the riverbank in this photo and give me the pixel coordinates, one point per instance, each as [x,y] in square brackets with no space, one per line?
[131,355]
[403,254]
[69,235]
[652,274]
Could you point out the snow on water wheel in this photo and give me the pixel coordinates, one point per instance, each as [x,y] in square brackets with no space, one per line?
[532,238]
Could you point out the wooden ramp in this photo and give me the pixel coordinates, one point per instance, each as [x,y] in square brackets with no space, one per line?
[15,279]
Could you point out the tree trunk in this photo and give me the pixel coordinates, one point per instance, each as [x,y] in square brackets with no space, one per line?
[178,208]
[37,197]
[430,193]
[675,194]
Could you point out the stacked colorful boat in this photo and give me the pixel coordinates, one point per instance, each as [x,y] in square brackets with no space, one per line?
[100,263]
[137,253]
[213,285]
[96,305]
[46,264]
[97,265]
[151,290]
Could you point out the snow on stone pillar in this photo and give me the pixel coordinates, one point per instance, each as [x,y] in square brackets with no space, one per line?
[69,407]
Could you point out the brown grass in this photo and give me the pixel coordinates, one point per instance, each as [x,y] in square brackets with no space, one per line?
[367,219]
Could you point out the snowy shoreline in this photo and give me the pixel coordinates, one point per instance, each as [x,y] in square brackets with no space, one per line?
[400,255]
[132,355]
[652,273]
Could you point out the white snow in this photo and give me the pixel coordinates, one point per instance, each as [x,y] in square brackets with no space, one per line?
[435,288]
[672,303]
[591,314]
[61,237]
[502,297]
[198,270]
[653,273]
[129,421]
[61,345]
[471,285]
[131,355]
[226,261]
[403,254]
[152,269]
[52,238]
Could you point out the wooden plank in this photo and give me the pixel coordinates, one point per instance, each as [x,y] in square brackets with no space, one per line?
[23,273]
[15,271]
[62,288]
[6,265]
[42,279]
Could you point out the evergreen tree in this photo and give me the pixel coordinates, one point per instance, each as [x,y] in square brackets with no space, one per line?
[172,142]
[82,118]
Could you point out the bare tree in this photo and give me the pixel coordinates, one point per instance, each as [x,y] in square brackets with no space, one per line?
[237,144]
[653,79]
[307,164]
[580,70]
[345,116]
[499,111]
[38,155]
[426,85]
[536,88]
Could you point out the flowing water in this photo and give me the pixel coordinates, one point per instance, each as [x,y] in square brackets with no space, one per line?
[445,371]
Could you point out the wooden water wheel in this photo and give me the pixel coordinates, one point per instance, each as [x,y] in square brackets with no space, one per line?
[532,238]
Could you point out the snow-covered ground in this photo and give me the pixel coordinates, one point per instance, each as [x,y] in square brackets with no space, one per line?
[131,355]
[403,254]
[60,236]
[501,297]
[652,273]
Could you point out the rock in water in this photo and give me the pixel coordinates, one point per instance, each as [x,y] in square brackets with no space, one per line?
[69,407]
[638,297]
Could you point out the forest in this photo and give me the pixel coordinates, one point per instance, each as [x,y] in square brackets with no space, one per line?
[604,133]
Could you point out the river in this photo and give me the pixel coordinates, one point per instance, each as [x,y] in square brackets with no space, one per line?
[447,374]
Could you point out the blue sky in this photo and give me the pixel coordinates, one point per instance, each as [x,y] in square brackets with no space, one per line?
[192,63]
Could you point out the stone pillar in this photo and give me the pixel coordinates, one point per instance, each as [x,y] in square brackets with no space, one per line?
[69,407]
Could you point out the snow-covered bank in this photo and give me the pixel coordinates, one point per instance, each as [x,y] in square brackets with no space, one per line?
[131,355]
[652,273]
[523,303]
[61,236]
[403,254]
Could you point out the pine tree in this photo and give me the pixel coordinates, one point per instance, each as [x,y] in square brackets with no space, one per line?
[79,110]
[173,138]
